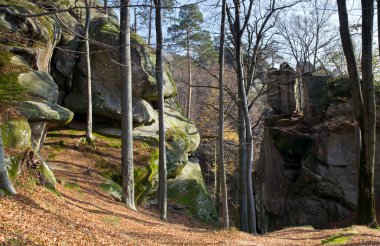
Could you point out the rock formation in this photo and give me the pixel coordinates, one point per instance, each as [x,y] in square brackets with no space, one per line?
[46,55]
[306,174]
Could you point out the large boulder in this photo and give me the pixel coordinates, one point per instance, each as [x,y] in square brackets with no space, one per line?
[45,112]
[16,133]
[39,84]
[106,83]
[189,190]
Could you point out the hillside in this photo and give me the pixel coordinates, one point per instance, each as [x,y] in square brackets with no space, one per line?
[81,213]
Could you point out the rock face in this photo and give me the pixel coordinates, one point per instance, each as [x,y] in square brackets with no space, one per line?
[307,174]
[281,90]
[51,68]
[28,62]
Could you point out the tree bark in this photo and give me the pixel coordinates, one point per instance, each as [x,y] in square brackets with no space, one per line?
[5,182]
[242,144]
[161,111]
[88,61]
[135,20]
[150,24]
[189,90]
[126,105]
[221,169]
[366,199]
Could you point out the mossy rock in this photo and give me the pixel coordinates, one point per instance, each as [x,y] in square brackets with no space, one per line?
[39,84]
[16,133]
[47,176]
[45,111]
[188,189]
[146,179]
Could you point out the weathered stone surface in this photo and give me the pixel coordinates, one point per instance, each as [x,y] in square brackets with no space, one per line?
[281,90]
[315,97]
[189,190]
[39,84]
[45,111]
[143,112]
[16,133]
[316,190]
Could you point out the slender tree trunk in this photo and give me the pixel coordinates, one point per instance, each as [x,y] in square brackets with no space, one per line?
[378,24]
[135,18]
[366,199]
[190,90]
[161,111]
[89,93]
[150,23]
[248,148]
[105,6]
[222,172]
[217,177]
[126,105]
[242,145]
[5,182]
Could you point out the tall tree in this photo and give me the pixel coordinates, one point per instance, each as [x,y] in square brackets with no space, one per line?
[161,111]
[188,34]
[364,107]
[5,182]
[245,136]
[128,196]
[89,136]
[366,198]
[221,169]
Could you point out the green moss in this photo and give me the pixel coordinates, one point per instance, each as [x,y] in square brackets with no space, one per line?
[110,141]
[47,174]
[189,190]
[146,178]
[73,186]
[112,188]
[336,240]
[16,133]
[14,167]
[137,39]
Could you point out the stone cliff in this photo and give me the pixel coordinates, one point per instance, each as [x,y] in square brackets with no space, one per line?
[307,174]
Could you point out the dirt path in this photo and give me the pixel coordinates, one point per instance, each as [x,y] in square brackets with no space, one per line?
[84,215]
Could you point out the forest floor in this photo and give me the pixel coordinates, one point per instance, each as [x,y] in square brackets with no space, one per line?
[80,213]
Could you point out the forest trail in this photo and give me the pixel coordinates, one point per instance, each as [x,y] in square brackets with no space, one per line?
[80,213]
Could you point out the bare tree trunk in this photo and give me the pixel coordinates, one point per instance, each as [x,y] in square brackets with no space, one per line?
[366,199]
[189,90]
[242,145]
[221,170]
[105,6]
[5,182]
[150,23]
[161,111]
[126,105]
[135,20]
[364,108]
[378,24]
[89,93]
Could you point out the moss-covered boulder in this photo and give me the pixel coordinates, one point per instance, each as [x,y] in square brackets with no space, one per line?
[45,111]
[106,83]
[39,84]
[189,190]
[16,133]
